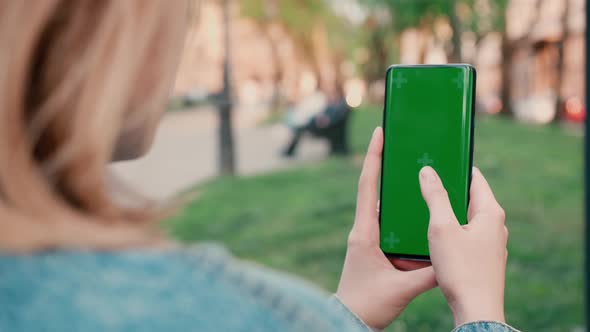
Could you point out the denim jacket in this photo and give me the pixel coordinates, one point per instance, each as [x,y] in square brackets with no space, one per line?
[191,289]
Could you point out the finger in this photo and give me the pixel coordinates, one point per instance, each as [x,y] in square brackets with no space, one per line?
[421,280]
[437,199]
[482,198]
[407,265]
[366,203]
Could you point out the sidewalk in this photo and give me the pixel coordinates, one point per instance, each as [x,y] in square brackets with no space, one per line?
[185,152]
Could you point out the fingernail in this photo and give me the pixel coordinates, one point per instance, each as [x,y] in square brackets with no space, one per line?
[375,131]
[428,174]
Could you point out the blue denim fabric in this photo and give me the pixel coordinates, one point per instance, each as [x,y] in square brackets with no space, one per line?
[193,289]
[485,326]
[349,315]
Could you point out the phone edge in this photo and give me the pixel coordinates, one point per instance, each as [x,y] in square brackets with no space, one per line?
[472,134]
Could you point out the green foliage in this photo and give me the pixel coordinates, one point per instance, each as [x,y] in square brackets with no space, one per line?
[298,220]
[383,29]
[254,9]
[298,16]
[412,13]
[495,19]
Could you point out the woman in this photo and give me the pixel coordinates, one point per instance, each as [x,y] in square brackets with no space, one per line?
[85,82]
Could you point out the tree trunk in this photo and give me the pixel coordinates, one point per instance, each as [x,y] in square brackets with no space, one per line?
[271,9]
[275,100]
[559,102]
[379,62]
[304,52]
[226,141]
[324,60]
[506,96]
[456,55]
[424,33]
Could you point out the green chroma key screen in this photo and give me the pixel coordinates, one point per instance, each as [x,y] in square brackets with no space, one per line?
[427,120]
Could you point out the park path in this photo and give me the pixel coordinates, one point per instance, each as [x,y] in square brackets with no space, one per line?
[185,152]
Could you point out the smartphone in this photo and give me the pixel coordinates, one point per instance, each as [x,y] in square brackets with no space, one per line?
[428,119]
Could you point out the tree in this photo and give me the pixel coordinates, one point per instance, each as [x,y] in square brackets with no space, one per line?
[456,26]
[265,13]
[305,21]
[411,13]
[226,141]
[496,22]
[422,13]
[414,13]
[559,102]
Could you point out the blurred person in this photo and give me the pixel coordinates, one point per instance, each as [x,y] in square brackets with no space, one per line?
[84,83]
[331,123]
[301,111]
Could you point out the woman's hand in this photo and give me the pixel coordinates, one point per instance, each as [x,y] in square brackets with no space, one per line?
[370,286]
[470,260]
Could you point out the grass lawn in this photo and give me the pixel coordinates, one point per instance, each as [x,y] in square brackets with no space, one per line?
[298,220]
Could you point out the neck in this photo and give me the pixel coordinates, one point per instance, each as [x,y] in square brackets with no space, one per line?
[23,234]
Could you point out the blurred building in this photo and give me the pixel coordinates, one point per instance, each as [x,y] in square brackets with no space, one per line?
[543,49]
[545,44]
[255,60]
[266,60]
[535,65]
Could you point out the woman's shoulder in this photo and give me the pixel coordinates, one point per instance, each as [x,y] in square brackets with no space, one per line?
[197,288]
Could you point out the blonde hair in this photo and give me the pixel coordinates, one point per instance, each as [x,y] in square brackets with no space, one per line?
[77,77]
